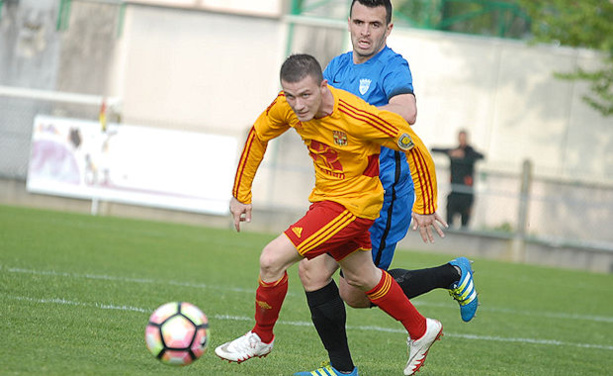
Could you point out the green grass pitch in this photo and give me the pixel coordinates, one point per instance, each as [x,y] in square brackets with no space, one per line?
[76,292]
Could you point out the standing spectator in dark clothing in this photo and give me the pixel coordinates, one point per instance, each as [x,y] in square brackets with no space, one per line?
[462,168]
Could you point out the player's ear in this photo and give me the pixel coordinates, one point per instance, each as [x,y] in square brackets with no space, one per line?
[323,86]
[389,29]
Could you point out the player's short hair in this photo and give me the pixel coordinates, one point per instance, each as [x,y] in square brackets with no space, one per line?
[298,66]
[373,4]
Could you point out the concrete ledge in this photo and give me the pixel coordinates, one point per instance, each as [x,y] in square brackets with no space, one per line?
[536,251]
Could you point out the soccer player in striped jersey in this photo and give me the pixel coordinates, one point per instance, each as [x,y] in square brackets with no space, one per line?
[380,76]
[343,135]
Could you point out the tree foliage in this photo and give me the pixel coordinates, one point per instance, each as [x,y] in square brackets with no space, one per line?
[574,23]
[500,18]
[582,24]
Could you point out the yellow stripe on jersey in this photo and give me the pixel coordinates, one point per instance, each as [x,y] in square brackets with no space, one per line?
[326,232]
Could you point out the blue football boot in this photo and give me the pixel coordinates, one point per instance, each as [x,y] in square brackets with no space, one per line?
[327,370]
[464,291]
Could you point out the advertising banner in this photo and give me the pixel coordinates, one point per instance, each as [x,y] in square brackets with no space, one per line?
[132,164]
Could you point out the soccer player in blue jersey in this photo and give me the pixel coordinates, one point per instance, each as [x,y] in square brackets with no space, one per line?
[382,77]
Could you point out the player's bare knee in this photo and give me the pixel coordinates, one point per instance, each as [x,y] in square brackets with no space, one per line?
[270,267]
[311,277]
[352,300]
[358,302]
[353,295]
[303,271]
[355,281]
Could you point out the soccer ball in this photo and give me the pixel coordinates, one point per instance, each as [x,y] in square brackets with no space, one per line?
[177,333]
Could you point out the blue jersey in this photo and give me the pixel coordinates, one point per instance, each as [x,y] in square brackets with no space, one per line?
[378,79]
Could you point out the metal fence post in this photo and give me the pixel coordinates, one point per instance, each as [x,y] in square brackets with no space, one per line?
[519,240]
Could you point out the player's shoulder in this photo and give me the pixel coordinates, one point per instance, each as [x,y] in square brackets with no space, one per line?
[348,97]
[279,104]
[390,59]
[338,62]
[342,59]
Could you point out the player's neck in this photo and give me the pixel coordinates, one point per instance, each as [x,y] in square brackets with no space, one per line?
[361,59]
[327,104]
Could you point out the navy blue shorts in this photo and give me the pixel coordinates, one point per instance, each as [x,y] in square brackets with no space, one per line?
[391,227]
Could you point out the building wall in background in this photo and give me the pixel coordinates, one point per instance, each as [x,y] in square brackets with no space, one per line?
[197,69]
[215,72]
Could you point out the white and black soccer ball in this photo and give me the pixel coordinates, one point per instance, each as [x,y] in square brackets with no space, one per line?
[177,333]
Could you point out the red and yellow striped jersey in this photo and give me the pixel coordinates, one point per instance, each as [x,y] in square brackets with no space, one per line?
[345,147]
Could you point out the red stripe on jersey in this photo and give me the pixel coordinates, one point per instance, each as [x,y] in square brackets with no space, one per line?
[372,169]
[427,187]
[366,120]
[243,161]
[429,183]
[374,120]
[371,116]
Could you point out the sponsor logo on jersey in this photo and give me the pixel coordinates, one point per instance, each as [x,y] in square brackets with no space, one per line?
[364,85]
[405,142]
[340,138]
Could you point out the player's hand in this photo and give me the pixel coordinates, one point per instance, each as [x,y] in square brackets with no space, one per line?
[240,212]
[425,223]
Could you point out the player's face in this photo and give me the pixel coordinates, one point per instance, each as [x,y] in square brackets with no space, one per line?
[304,97]
[368,30]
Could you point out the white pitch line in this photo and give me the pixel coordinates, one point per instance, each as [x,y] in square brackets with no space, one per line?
[551,315]
[122,279]
[532,341]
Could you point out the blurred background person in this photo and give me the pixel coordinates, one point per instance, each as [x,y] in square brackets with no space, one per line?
[462,159]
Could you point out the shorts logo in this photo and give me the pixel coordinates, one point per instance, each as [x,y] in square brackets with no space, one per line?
[297,231]
[340,138]
[405,142]
[364,85]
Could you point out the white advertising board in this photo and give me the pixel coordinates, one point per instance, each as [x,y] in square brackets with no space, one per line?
[132,164]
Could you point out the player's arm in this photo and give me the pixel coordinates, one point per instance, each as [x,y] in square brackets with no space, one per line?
[270,124]
[397,82]
[250,159]
[473,155]
[423,174]
[404,105]
[441,150]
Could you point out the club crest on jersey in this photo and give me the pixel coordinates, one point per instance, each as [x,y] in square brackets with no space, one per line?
[340,138]
[405,142]
[364,85]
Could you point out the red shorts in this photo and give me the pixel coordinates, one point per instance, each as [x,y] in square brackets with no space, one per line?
[329,228]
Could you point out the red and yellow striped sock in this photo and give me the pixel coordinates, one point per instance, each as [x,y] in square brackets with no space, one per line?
[388,296]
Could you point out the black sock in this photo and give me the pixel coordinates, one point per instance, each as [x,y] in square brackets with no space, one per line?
[421,281]
[329,317]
